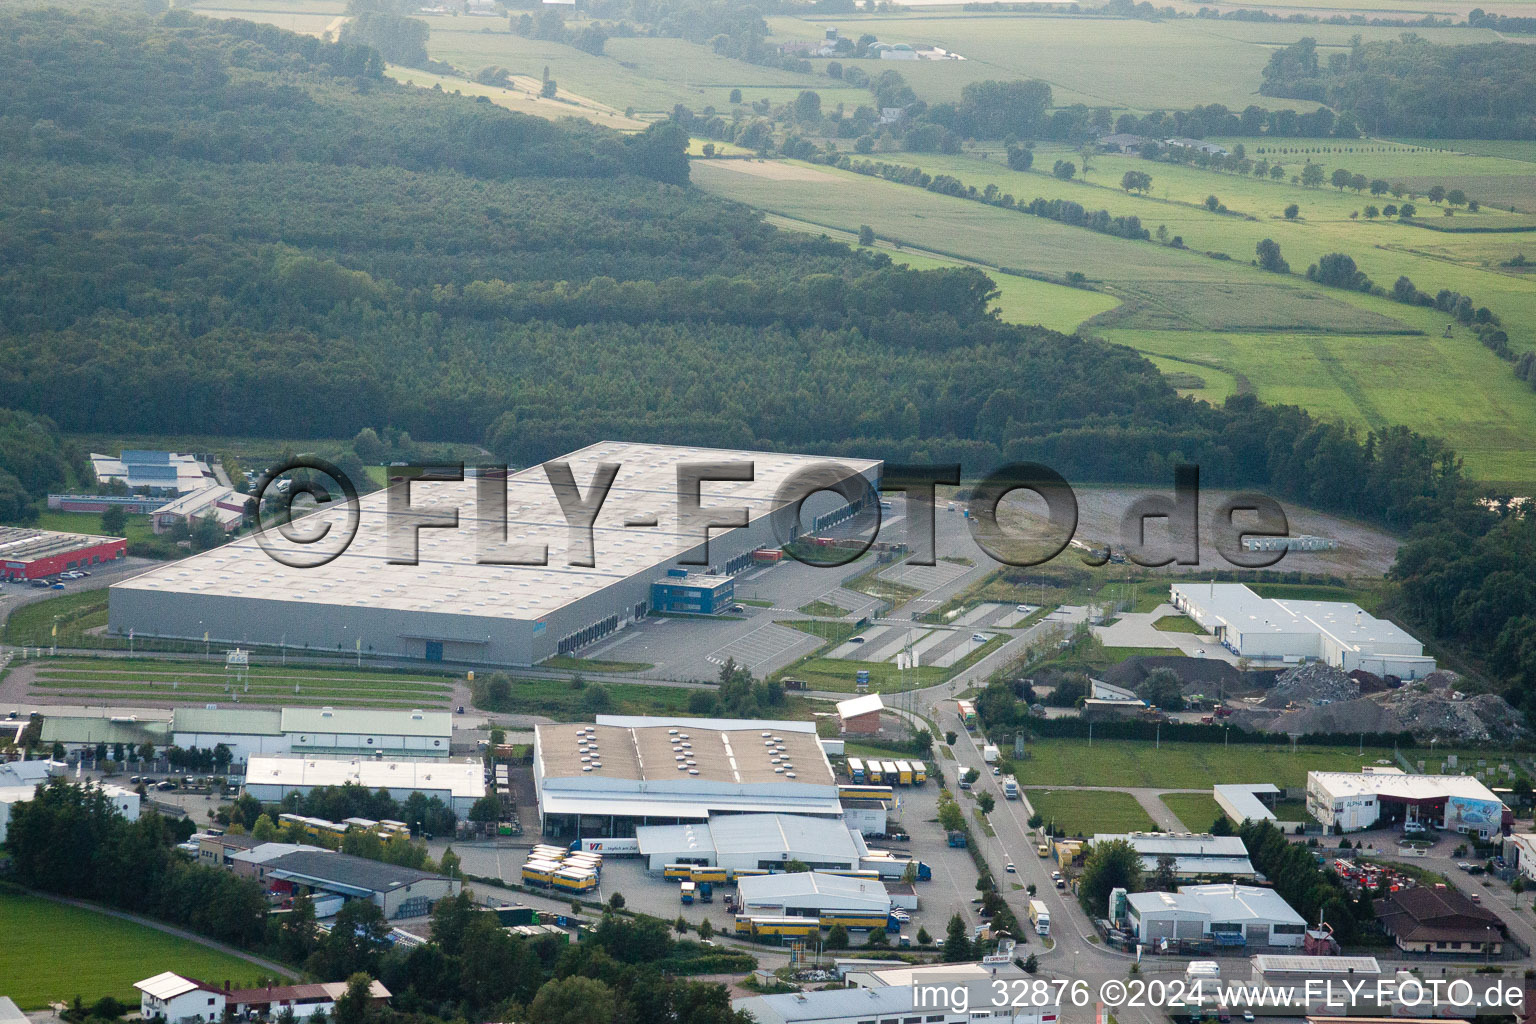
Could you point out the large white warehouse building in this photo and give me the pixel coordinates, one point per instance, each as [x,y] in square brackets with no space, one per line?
[450,607]
[809,894]
[1339,633]
[458,783]
[623,772]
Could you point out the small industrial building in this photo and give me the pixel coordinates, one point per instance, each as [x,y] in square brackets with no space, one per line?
[222,504]
[449,605]
[624,772]
[885,993]
[753,841]
[1197,856]
[83,732]
[866,817]
[257,861]
[1383,797]
[398,891]
[1247,801]
[1227,914]
[28,554]
[1273,630]
[246,732]
[153,472]
[1283,970]
[809,893]
[366,732]
[1423,919]
[860,715]
[683,593]
[456,783]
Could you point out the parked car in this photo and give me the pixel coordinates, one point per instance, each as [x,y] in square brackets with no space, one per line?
[980,638]
[738,609]
[1009,868]
[996,771]
[58,586]
[1021,607]
[1463,865]
[964,784]
[856,639]
[1474,897]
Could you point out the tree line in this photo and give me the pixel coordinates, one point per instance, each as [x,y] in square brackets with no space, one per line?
[1412,87]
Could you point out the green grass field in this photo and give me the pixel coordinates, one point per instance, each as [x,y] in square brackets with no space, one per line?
[1198,811]
[1136,763]
[54,952]
[825,608]
[90,680]
[1177,624]
[1084,812]
[32,624]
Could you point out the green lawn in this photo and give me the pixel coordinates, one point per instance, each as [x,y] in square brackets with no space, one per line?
[137,529]
[90,680]
[1128,763]
[54,952]
[1367,597]
[1177,624]
[826,608]
[1198,811]
[1084,812]
[32,624]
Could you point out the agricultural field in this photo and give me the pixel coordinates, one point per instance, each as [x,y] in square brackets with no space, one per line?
[1228,325]
[1020,300]
[1195,61]
[127,680]
[105,955]
[1198,811]
[1137,763]
[1083,812]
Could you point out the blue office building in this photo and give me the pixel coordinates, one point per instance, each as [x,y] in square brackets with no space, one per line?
[681,593]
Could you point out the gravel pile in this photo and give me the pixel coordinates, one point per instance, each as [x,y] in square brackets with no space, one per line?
[1311,684]
[1476,718]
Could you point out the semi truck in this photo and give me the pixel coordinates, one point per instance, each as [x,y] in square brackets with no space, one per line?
[989,753]
[1040,917]
[1010,788]
[688,890]
[957,839]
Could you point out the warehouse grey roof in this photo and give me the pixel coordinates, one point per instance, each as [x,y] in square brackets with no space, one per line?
[448,577]
[345,871]
[233,721]
[1228,902]
[827,1004]
[367,720]
[1240,800]
[102,729]
[744,833]
[777,888]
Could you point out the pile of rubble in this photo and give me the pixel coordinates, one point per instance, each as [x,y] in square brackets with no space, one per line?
[1430,708]
[1310,685]
[1425,709]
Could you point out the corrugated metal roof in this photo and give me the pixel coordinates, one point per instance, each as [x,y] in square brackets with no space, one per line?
[234,721]
[167,985]
[366,720]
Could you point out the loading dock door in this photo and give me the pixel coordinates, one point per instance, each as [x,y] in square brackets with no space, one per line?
[434,650]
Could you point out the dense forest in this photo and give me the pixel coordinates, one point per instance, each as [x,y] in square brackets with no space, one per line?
[1416,88]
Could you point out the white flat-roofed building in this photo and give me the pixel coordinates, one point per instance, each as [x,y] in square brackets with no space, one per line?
[450,607]
[1283,969]
[622,772]
[1375,798]
[457,783]
[862,1005]
[754,841]
[1230,914]
[1196,855]
[808,893]
[367,732]
[1338,633]
[1243,801]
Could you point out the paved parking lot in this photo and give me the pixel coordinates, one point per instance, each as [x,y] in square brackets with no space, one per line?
[765,649]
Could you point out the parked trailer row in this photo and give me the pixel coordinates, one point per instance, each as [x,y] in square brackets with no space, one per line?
[809,927]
